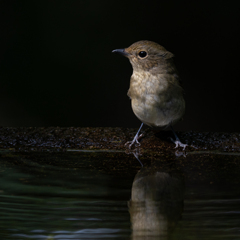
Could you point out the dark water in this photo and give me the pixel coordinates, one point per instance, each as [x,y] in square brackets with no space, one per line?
[107,196]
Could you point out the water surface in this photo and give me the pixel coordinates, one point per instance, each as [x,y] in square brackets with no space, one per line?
[77,195]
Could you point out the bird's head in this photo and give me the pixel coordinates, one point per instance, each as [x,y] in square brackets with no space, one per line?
[146,55]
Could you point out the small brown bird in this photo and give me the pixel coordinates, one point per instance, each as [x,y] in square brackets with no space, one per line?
[155,91]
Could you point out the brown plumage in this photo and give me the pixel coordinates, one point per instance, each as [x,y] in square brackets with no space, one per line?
[155,91]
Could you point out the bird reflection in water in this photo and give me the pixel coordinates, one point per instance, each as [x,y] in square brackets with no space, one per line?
[156,203]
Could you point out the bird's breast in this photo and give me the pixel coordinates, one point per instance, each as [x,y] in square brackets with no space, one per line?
[143,83]
[156,101]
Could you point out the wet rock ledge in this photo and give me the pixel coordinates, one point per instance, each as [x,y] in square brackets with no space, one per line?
[107,138]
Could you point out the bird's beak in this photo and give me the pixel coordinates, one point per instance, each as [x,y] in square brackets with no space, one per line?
[121,51]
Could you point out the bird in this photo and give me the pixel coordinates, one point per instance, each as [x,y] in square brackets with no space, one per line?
[157,97]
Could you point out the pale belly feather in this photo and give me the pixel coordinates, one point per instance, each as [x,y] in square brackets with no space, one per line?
[156,103]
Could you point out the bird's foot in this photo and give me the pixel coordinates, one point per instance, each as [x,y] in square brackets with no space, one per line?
[130,143]
[179,144]
[134,141]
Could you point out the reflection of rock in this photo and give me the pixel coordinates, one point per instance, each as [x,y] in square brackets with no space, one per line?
[156,203]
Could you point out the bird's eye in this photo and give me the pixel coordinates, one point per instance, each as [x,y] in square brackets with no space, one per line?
[142,54]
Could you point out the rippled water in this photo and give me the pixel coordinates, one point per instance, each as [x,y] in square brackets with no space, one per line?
[98,196]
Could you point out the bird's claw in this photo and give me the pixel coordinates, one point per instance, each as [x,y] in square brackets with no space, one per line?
[179,144]
[134,141]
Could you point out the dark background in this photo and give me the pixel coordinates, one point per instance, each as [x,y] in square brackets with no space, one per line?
[57,69]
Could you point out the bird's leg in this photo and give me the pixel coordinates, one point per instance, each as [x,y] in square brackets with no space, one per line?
[135,139]
[177,141]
